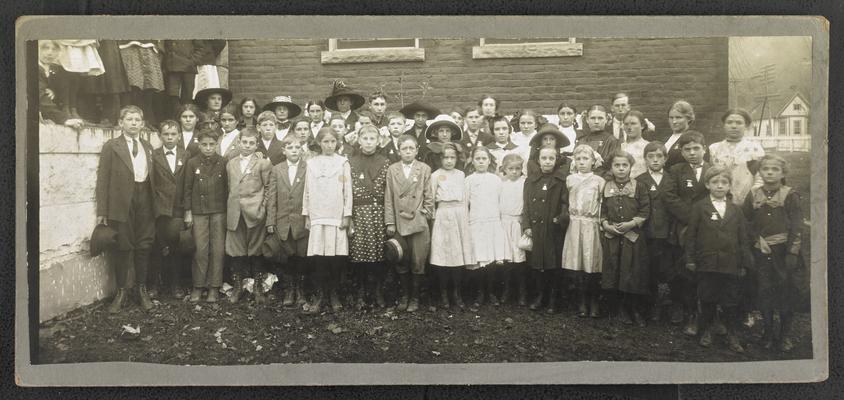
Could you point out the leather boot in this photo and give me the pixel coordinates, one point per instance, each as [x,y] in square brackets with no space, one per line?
[457,278]
[552,298]
[379,294]
[786,344]
[237,289]
[289,291]
[676,313]
[594,305]
[691,327]
[582,307]
[117,302]
[334,297]
[404,280]
[414,294]
[540,289]
[521,281]
[258,288]
[444,295]
[300,291]
[624,314]
[490,285]
[360,298]
[315,307]
[143,298]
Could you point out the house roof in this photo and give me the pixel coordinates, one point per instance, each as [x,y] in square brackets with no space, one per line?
[775,107]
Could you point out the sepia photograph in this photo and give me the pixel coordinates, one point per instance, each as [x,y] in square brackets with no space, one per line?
[423,201]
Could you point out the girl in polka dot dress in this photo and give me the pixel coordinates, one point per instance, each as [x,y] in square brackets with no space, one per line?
[369,178]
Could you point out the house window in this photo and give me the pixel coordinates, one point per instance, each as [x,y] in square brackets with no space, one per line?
[347,51]
[783,128]
[526,48]
[798,127]
[797,107]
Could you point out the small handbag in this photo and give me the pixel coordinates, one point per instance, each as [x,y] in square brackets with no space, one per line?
[525,242]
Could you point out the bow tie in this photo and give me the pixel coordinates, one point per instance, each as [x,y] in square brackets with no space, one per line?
[169,153]
[284,125]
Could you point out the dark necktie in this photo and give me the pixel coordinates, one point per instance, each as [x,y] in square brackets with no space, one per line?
[169,153]
[134,147]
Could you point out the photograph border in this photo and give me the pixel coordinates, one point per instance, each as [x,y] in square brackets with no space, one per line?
[580,372]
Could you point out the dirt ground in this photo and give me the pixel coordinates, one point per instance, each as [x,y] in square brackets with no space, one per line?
[178,332]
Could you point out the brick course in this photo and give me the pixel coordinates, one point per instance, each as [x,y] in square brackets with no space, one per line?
[654,72]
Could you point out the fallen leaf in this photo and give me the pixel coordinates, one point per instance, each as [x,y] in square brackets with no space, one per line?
[508,320]
[436,353]
[197,307]
[311,336]
[259,347]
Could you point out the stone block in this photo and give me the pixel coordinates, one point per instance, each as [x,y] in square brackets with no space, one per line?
[65,229]
[67,178]
[71,281]
[57,139]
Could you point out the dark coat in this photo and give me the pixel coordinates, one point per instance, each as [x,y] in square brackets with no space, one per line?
[604,143]
[686,191]
[167,192]
[182,55]
[391,152]
[541,207]
[718,244]
[192,148]
[116,178]
[275,153]
[206,185]
[484,139]
[284,207]
[659,225]
[50,108]
[625,262]
[675,154]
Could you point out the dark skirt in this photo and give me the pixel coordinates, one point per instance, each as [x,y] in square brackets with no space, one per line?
[777,286]
[626,267]
[113,80]
[367,243]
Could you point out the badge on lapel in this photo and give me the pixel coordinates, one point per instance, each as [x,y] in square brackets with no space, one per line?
[600,143]
[361,176]
[544,187]
[689,183]
[248,171]
[179,162]
[197,171]
[653,188]
[714,216]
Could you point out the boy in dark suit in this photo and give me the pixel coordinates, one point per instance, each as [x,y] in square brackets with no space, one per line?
[285,219]
[658,226]
[408,205]
[689,188]
[474,135]
[268,145]
[395,125]
[168,170]
[717,250]
[124,202]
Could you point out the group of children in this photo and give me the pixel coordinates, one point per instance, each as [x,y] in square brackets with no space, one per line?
[467,198]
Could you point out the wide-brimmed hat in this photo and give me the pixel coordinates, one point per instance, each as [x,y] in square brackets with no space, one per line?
[273,249]
[201,98]
[415,107]
[339,89]
[168,232]
[549,129]
[186,244]
[103,238]
[395,249]
[443,120]
[287,101]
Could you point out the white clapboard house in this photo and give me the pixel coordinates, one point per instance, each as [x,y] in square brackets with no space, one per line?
[784,126]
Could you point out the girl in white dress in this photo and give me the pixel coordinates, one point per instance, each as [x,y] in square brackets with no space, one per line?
[483,189]
[327,207]
[451,245]
[582,247]
[511,203]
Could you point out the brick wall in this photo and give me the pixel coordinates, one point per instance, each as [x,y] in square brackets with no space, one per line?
[654,72]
